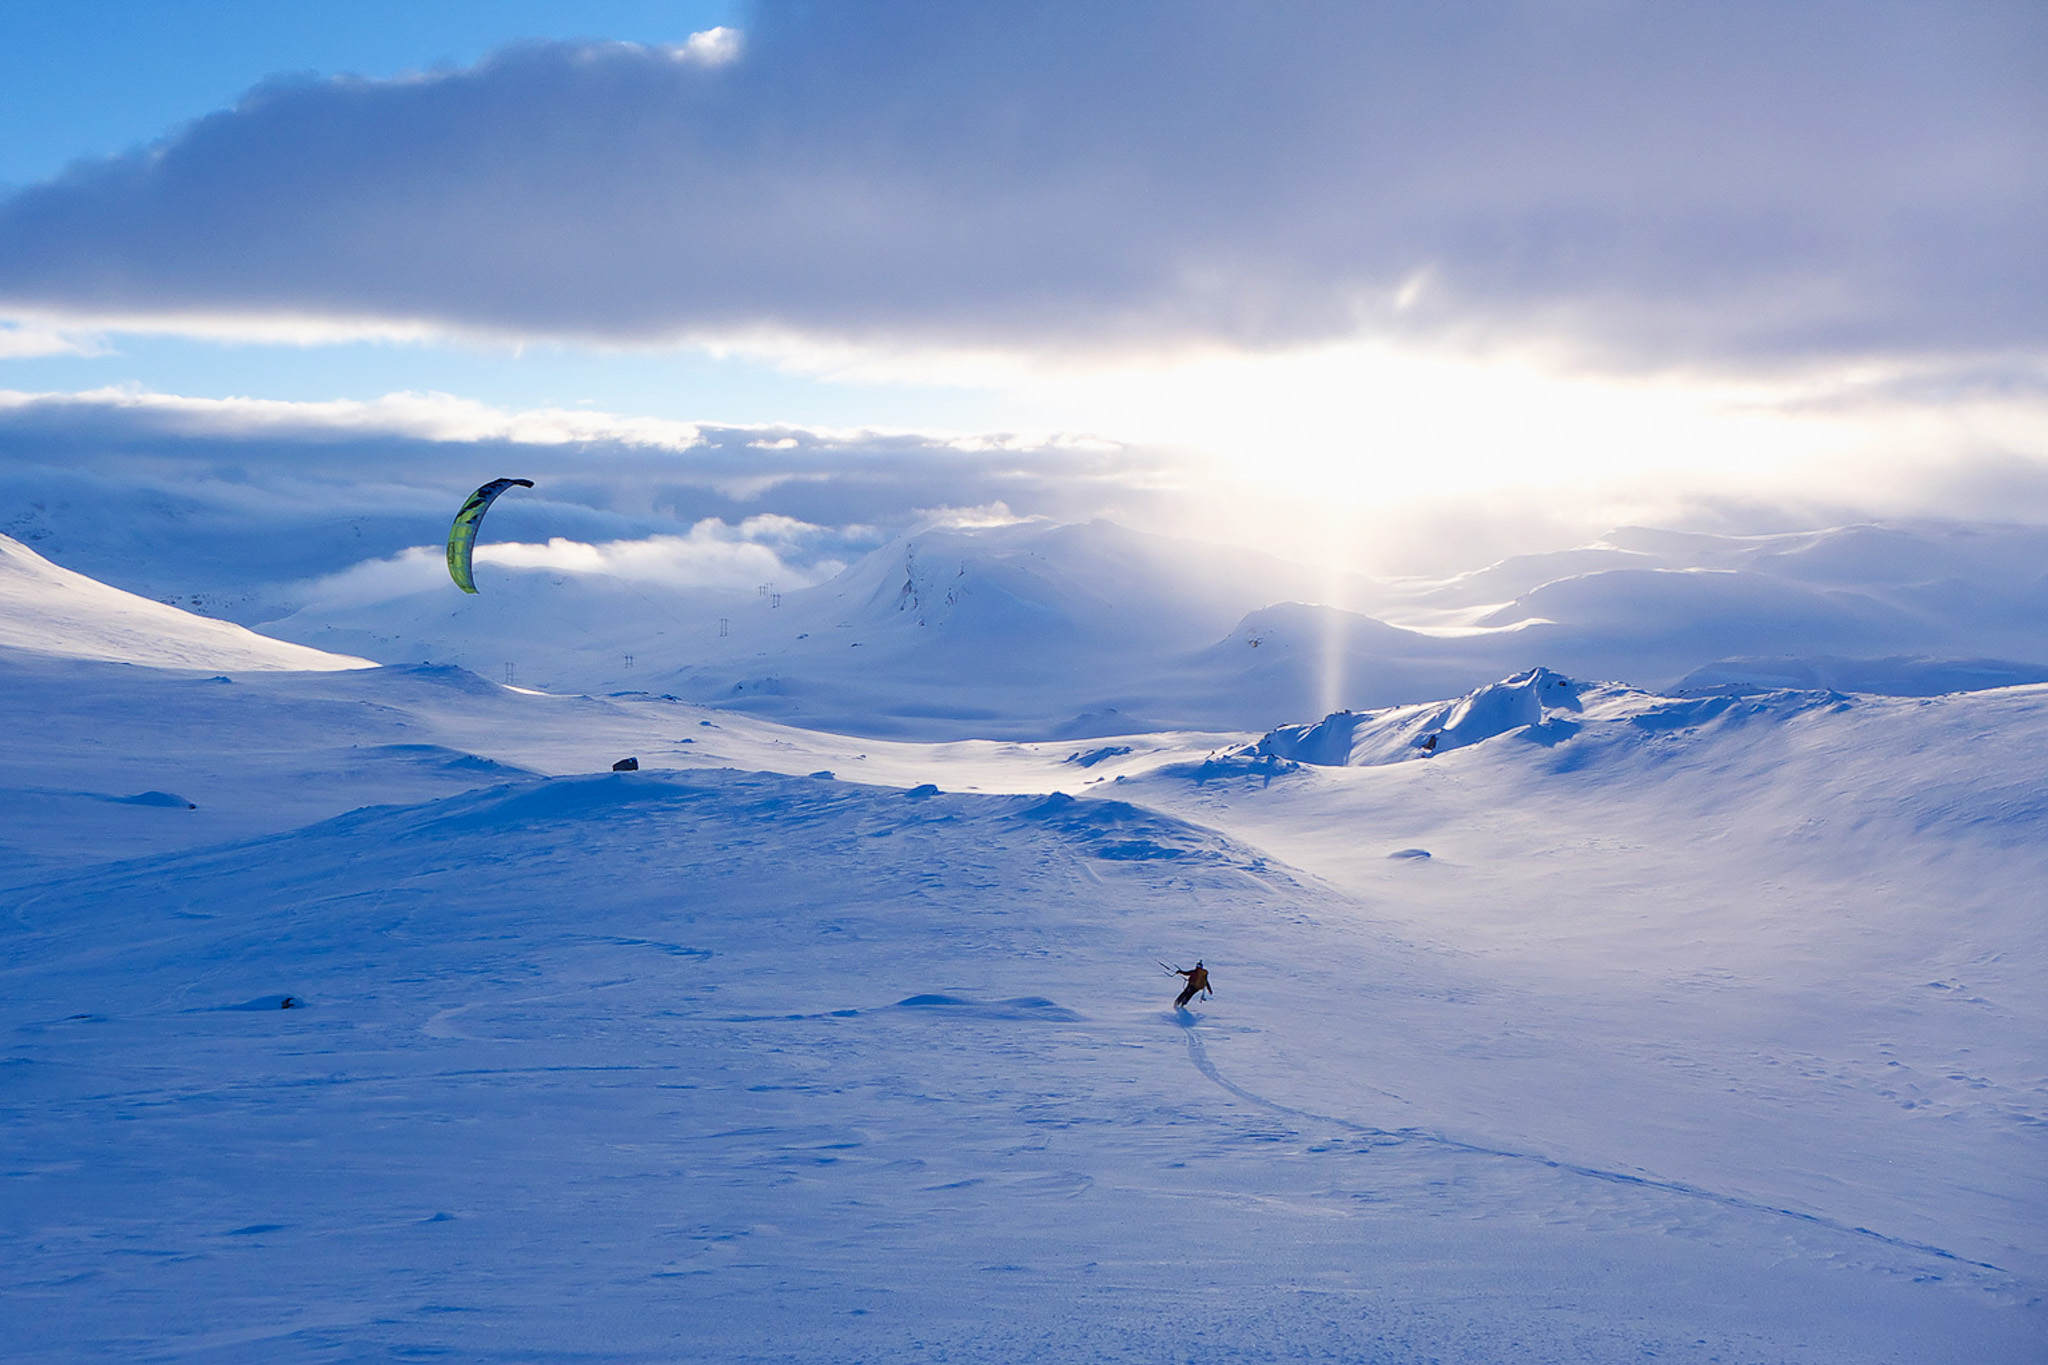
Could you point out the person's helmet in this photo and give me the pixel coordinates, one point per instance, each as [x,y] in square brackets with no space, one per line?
[1198,962]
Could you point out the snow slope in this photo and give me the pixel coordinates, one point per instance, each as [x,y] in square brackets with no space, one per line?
[1787,905]
[738,1067]
[1709,1029]
[49,610]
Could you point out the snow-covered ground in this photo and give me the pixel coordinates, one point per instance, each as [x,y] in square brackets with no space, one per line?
[1610,1026]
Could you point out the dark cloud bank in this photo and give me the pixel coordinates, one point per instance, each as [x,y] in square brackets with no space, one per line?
[1720,181]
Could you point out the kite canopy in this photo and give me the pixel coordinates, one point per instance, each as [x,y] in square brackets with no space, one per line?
[462,535]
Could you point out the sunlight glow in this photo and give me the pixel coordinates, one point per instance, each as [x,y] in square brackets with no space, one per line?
[1358,426]
[1369,421]
[1322,450]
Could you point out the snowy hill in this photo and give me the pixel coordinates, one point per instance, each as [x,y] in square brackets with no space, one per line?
[369,1012]
[1294,659]
[1779,878]
[1027,631]
[2002,566]
[1524,703]
[52,611]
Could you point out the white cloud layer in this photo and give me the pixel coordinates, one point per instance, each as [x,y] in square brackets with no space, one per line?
[158,492]
[422,416]
[154,490]
[1660,182]
[711,554]
[23,338]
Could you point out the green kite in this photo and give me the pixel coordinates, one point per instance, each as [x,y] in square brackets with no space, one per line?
[462,535]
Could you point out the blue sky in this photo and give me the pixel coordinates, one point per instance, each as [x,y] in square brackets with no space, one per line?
[1549,264]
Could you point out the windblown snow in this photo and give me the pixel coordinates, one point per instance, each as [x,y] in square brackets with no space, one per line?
[360,1012]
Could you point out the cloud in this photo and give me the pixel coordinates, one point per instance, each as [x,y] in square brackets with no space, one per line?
[712,47]
[160,493]
[167,495]
[711,554]
[440,447]
[1713,182]
[24,338]
[421,416]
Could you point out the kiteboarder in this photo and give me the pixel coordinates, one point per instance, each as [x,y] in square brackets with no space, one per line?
[1198,980]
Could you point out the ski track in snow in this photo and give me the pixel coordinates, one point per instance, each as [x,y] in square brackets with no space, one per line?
[1199,1056]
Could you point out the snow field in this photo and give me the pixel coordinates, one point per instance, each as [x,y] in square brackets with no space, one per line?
[1807,926]
[750,1067]
[1707,1029]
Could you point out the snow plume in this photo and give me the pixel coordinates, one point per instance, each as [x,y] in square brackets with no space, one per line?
[1658,181]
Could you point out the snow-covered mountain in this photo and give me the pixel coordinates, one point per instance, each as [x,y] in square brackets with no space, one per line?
[1652,606]
[1065,631]
[1036,630]
[1894,676]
